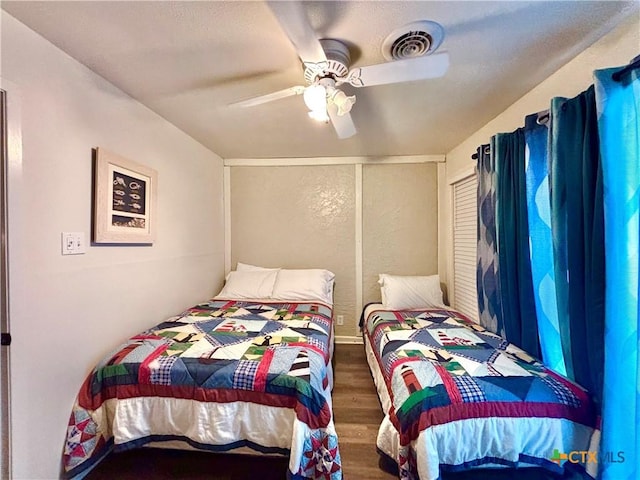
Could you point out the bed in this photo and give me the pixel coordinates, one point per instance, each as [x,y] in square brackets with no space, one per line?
[232,375]
[457,397]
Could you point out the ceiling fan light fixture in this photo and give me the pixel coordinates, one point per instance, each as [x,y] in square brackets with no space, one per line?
[327,64]
[315,98]
[319,115]
[343,101]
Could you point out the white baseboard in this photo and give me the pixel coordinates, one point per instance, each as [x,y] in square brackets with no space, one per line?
[348,339]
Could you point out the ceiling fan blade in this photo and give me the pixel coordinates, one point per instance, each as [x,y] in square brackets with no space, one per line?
[295,23]
[270,97]
[343,124]
[407,70]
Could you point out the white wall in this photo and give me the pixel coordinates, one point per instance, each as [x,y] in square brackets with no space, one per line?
[615,49]
[67,312]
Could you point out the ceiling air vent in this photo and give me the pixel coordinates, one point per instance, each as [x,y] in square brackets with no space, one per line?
[413,40]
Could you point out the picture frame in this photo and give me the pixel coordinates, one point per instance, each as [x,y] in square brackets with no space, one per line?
[124,202]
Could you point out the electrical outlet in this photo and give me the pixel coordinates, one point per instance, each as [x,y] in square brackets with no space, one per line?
[340,319]
[73,243]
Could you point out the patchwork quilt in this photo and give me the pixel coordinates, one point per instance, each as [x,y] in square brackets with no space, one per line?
[220,376]
[464,397]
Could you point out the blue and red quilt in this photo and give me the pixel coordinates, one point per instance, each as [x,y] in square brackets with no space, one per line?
[222,376]
[462,397]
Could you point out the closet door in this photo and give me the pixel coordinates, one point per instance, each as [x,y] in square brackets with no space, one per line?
[465,293]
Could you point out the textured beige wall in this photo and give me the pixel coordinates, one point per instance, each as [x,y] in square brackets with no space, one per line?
[399,222]
[305,217]
[298,217]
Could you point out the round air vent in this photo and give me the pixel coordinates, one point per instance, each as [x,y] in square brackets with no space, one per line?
[413,40]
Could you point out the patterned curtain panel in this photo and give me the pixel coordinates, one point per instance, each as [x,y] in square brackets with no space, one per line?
[578,231]
[516,286]
[619,128]
[556,205]
[536,136]
[489,306]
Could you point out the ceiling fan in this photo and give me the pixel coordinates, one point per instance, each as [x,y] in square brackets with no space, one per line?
[327,63]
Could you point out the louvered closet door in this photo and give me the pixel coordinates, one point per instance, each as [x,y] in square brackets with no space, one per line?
[465,219]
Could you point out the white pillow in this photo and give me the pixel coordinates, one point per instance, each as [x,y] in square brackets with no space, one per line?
[304,284]
[245,267]
[252,285]
[410,292]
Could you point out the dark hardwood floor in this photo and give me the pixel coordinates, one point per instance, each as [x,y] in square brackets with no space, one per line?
[357,414]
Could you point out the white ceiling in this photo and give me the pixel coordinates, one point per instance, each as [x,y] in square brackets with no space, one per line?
[189,60]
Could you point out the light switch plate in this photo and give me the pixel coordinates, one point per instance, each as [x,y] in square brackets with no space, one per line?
[73,243]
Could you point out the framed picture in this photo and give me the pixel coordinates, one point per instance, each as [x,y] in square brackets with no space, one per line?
[124,202]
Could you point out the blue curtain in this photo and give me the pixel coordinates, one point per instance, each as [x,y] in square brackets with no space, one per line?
[489,307]
[558,250]
[578,236]
[514,274]
[536,136]
[619,129]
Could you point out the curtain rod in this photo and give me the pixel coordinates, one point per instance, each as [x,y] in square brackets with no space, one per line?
[543,116]
[635,63]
